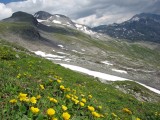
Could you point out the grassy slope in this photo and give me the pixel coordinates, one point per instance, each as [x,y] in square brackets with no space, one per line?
[25,72]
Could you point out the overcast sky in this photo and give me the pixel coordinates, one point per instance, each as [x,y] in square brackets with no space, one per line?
[88,12]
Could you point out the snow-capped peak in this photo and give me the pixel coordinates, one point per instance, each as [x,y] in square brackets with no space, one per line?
[84,29]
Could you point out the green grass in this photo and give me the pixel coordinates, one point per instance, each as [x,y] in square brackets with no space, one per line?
[21,72]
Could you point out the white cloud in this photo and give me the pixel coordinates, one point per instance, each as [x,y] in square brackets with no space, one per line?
[90,12]
[4,11]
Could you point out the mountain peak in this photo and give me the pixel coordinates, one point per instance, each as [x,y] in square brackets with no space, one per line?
[21,17]
[43,15]
[145,16]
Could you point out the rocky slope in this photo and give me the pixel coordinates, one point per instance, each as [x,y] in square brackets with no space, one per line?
[141,27]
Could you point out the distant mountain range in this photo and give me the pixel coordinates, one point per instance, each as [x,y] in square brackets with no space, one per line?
[141,27]
[144,26]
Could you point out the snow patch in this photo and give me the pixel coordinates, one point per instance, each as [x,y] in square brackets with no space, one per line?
[94,73]
[67,60]
[104,76]
[39,20]
[61,46]
[54,59]
[48,56]
[120,71]
[57,22]
[77,52]
[62,53]
[84,29]
[106,62]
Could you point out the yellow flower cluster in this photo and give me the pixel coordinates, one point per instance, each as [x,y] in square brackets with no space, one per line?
[13,101]
[23,97]
[64,108]
[66,116]
[33,100]
[95,114]
[34,110]
[51,112]
[67,99]
[90,108]
[53,100]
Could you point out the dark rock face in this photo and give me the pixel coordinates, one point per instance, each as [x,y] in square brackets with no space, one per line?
[144,26]
[22,17]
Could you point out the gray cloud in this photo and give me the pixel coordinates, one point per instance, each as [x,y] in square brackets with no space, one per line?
[90,12]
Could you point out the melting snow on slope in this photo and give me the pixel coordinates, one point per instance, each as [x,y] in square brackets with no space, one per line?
[104,76]
[56,21]
[94,73]
[39,20]
[48,56]
[84,29]
[106,62]
[77,52]
[120,71]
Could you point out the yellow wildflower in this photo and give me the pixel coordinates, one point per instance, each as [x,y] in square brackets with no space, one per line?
[23,97]
[81,104]
[82,95]
[34,110]
[59,81]
[33,100]
[126,110]
[68,96]
[68,89]
[90,96]
[66,116]
[95,114]
[64,108]
[38,97]
[54,118]
[100,107]
[50,111]
[76,101]
[53,100]
[90,108]
[62,87]
[83,100]
[41,86]
[75,97]
[13,101]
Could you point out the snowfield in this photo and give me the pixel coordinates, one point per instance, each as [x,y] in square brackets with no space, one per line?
[120,71]
[104,76]
[94,73]
[43,54]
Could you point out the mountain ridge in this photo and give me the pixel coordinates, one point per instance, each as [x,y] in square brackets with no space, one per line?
[141,27]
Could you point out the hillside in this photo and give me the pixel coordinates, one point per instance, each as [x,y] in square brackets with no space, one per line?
[22,72]
[127,91]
